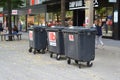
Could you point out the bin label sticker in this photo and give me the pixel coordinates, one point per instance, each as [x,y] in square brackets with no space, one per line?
[71,37]
[31,35]
[52,38]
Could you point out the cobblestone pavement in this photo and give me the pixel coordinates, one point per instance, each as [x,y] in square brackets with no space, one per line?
[16,63]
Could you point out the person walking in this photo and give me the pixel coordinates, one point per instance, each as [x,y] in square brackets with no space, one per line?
[1,28]
[98,25]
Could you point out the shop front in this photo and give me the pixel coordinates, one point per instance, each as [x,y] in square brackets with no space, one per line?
[74,16]
[33,15]
[78,9]
[108,11]
[85,11]
[37,15]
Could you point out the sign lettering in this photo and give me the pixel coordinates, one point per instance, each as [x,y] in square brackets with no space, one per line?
[75,4]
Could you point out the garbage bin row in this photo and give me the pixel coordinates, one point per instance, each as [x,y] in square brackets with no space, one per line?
[75,43]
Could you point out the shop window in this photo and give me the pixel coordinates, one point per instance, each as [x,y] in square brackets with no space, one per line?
[106,14]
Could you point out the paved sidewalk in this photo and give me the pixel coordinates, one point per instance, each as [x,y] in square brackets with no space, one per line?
[16,63]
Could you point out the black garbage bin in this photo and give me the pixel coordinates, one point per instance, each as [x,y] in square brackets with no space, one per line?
[55,41]
[79,45]
[38,39]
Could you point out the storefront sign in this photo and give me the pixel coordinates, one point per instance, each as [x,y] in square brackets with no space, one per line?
[32,2]
[14,12]
[113,1]
[116,17]
[80,4]
[76,4]
[35,2]
[40,1]
[52,38]
[96,3]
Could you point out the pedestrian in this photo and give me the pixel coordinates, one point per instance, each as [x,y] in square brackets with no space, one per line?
[98,25]
[6,32]
[109,24]
[15,29]
[105,26]
[1,28]
[20,24]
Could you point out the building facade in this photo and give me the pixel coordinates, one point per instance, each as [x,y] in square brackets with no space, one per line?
[39,12]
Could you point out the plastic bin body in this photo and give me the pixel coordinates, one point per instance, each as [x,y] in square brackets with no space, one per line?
[80,44]
[55,40]
[37,39]
[40,38]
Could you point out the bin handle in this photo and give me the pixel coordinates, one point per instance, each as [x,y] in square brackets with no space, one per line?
[88,33]
[37,30]
[41,30]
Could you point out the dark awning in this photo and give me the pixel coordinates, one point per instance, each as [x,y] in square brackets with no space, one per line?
[55,5]
[36,9]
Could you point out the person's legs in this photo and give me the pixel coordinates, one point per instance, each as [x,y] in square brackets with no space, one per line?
[100,40]
[14,34]
[96,41]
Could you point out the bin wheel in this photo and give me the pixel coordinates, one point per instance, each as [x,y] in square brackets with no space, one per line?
[51,55]
[43,52]
[30,50]
[89,64]
[38,51]
[58,57]
[68,61]
[34,52]
[76,61]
